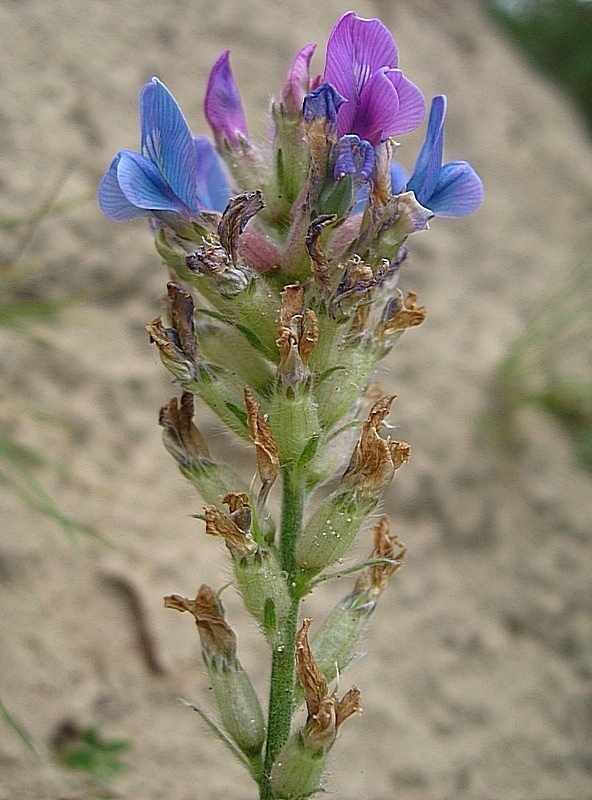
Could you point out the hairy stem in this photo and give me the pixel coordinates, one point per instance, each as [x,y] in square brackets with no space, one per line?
[281,694]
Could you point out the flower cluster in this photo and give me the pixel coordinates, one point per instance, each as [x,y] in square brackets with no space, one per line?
[286,260]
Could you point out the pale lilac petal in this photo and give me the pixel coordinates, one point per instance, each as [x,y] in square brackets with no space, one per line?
[112,201]
[223,107]
[143,185]
[213,191]
[297,83]
[167,140]
[458,192]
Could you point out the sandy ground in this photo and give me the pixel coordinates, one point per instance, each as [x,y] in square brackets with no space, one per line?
[476,683]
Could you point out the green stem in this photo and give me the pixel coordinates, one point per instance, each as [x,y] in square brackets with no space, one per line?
[281,693]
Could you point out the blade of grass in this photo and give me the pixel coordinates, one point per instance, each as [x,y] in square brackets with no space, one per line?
[23,483]
[16,728]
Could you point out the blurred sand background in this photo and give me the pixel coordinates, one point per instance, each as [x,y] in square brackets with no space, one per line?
[476,682]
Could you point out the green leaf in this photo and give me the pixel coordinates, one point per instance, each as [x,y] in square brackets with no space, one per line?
[309,452]
[222,737]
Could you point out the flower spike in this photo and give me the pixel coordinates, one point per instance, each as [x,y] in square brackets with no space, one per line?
[284,262]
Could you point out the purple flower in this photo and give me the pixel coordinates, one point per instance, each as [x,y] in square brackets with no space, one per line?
[223,107]
[452,190]
[362,64]
[175,172]
[297,83]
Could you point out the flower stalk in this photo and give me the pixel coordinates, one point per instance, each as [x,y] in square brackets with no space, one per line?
[284,300]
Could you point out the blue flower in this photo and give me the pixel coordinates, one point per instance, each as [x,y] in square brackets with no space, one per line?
[452,190]
[175,171]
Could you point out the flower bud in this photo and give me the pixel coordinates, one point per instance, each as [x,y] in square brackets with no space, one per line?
[223,106]
[225,345]
[297,83]
[320,121]
[341,389]
[238,705]
[263,587]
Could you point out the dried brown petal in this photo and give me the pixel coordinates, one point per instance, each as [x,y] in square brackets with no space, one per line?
[182,307]
[212,261]
[290,368]
[217,637]
[380,184]
[357,278]
[178,345]
[292,303]
[321,728]
[374,460]
[320,137]
[167,341]
[319,263]
[350,703]
[240,509]
[218,524]
[325,712]
[268,460]
[236,501]
[309,336]
[237,213]
[374,579]
[400,452]
[310,675]
[400,314]
[183,438]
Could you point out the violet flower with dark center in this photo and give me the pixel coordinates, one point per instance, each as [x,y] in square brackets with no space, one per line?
[452,190]
[362,64]
[175,171]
